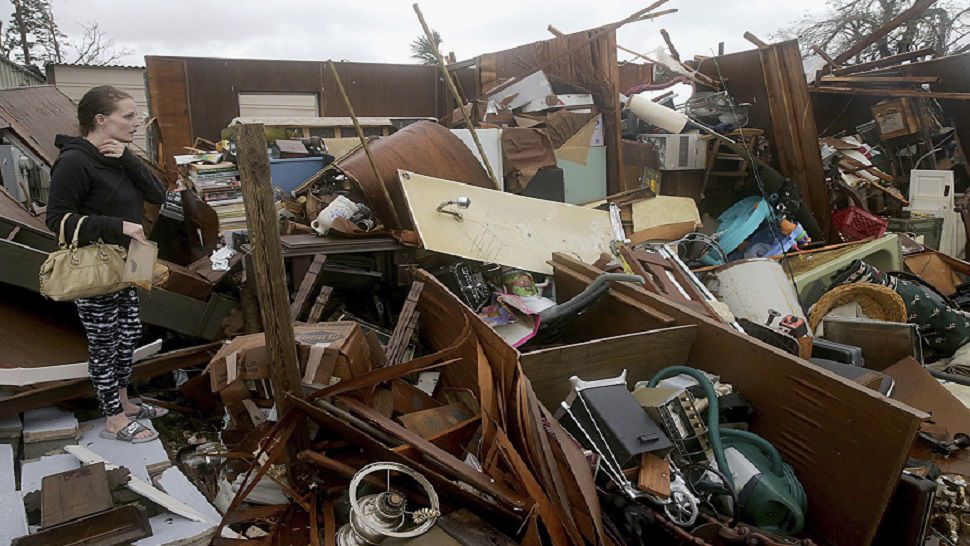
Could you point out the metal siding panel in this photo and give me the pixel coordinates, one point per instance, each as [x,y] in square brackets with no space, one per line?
[75,81]
[277,105]
[379,90]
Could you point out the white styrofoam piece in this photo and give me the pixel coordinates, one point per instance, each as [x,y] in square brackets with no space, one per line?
[560,101]
[134,457]
[533,86]
[13,518]
[32,472]
[140,486]
[49,423]
[20,377]
[169,529]
[175,483]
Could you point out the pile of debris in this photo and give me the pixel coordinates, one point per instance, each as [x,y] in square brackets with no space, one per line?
[558,315]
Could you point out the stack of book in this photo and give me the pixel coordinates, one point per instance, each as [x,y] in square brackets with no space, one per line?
[218,185]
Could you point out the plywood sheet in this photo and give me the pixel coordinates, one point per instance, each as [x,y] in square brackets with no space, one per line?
[502,228]
[549,370]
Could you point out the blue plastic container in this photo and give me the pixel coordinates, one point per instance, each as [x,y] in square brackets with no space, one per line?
[735,225]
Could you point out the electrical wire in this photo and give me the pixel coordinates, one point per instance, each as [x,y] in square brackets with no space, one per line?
[735,503]
[933,151]
[773,219]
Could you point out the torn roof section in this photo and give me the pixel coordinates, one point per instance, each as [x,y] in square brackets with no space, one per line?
[35,115]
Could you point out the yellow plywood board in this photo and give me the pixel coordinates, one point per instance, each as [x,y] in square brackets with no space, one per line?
[503,228]
[664,209]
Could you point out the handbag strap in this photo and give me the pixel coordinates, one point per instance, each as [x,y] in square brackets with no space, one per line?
[77,230]
[60,236]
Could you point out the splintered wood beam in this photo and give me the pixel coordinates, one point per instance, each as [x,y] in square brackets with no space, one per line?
[670,44]
[269,273]
[306,286]
[52,392]
[450,83]
[317,310]
[885,61]
[602,31]
[761,44]
[917,9]
[404,329]
[821,53]
[880,79]
[832,90]
[363,140]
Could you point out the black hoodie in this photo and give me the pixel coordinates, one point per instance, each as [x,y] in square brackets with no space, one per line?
[108,191]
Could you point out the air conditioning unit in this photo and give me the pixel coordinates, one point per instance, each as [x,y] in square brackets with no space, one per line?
[678,152]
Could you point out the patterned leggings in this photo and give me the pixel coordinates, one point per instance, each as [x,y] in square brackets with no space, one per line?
[113,330]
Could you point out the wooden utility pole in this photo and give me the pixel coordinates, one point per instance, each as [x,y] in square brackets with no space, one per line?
[363,142]
[454,93]
[274,300]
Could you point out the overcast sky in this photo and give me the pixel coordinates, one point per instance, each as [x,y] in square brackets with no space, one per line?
[381,30]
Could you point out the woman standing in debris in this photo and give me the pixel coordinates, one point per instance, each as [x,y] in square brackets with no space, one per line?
[96,176]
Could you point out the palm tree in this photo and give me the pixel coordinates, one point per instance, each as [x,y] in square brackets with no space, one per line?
[424,51]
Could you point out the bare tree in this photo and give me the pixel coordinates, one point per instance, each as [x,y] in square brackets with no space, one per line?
[33,38]
[96,48]
[945,27]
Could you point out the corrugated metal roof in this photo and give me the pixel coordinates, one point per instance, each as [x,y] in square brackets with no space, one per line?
[14,75]
[86,65]
[38,77]
[36,114]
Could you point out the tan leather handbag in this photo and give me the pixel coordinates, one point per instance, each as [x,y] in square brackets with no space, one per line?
[82,272]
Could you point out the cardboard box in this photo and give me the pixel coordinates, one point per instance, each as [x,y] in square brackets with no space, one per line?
[325,350]
[895,118]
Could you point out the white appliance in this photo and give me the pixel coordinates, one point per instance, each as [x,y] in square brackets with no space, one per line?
[679,152]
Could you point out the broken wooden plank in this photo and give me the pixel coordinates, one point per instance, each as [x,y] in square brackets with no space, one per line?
[141,487]
[21,377]
[549,370]
[832,90]
[307,285]
[761,44]
[431,422]
[404,329]
[654,475]
[917,9]
[74,494]
[121,525]
[885,61]
[670,44]
[503,228]
[821,53]
[59,391]
[319,304]
[881,79]
[409,399]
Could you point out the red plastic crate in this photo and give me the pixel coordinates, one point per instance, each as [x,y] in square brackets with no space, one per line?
[856,224]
